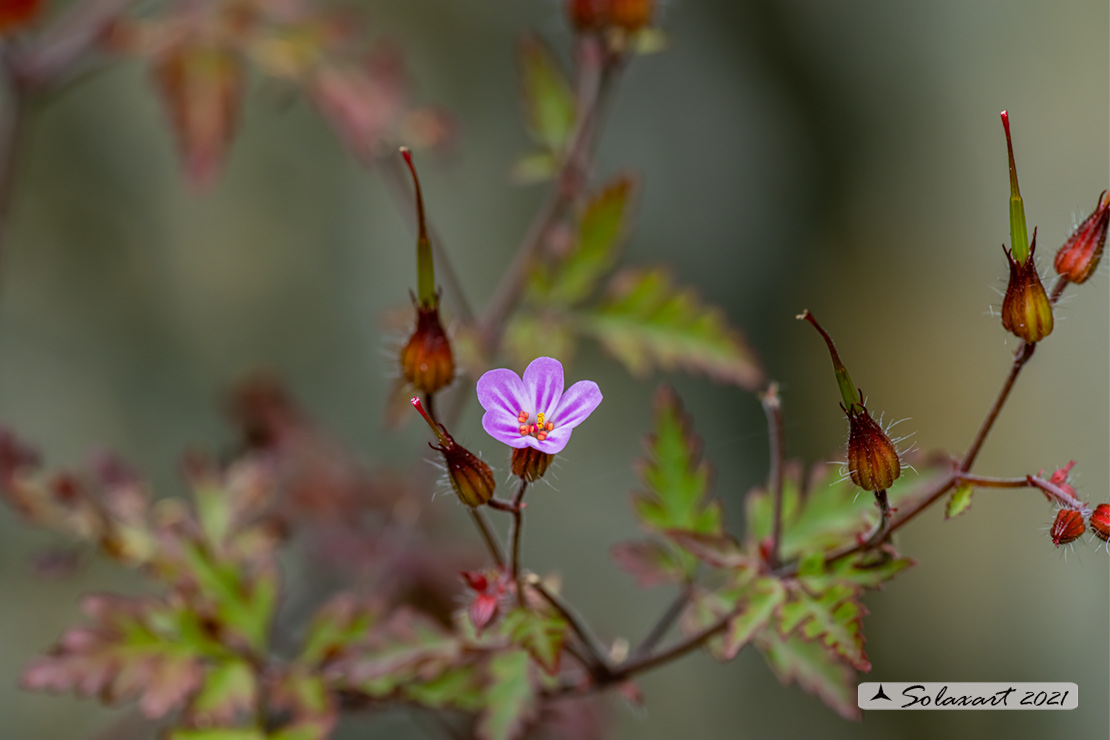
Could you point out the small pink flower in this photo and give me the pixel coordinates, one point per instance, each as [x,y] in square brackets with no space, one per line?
[534,411]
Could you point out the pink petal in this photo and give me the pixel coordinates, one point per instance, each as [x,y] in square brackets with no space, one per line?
[576,404]
[555,441]
[543,381]
[503,391]
[504,428]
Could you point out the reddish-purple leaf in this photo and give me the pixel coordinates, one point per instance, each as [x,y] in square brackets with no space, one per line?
[650,562]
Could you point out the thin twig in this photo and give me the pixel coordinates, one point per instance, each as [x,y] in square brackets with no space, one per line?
[487,536]
[518,525]
[772,407]
[597,663]
[983,481]
[665,621]
[1020,358]
[11,128]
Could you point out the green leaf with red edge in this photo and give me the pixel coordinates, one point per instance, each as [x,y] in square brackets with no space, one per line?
[511,697]
[337,625]
[230,690]
[542,635]
[202,87]
[646,322]
[959,501]
[760,599]
[406,647]
[834,617]
[817,670]
[461,687]
[302,694]
[651,563]
[602,226]
[129,651]
[546,95]
[865,569]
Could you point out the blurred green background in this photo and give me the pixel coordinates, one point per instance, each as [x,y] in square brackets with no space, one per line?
[841,156]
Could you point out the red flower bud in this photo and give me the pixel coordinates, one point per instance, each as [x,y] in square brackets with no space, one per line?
[487,597]
[471,479]
[873,460]
[530,464]
[1100,522]
[1026,310]
[1068,527]
[1080,255]
[426,360]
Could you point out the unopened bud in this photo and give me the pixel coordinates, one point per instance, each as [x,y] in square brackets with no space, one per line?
[427,361]
[1100,522]
[873,460]
[1068,527]
[1026,310]
[471,478]
[530,464]
[1080,255]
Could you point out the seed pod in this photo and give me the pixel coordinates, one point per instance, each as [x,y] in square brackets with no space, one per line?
[1100,522]
[1068,527]
[1026,310]
[1080,255]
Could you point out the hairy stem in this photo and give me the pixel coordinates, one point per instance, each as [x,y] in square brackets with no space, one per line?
[665,621]
[487,536]
[518,525]
[595,657]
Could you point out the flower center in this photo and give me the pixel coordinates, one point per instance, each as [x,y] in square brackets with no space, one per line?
[538,429]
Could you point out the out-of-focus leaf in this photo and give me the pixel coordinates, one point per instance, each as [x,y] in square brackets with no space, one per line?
[718,550]
[511,697]
[547,334]
[866,570]
[202,87]
[549,108]
[302,694]
[650,562]
[219,733]
[646,322]
[127,652]
[759,601]
[815,669]
[959,501]
[407,646]
[835,618]
[601,229]
[535,167]
[542,635]
[229,690]
[705,609]
[337,625]
[462,687]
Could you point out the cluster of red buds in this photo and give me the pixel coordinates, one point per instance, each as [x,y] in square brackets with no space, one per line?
[599,15]
[1073,516]
[489,590]
[427,362]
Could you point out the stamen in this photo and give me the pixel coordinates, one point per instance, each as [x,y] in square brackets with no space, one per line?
[539,420]
[524,430]
[541,436]
[522,417]
[549,426]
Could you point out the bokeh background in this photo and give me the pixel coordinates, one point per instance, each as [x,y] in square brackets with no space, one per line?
[842,156]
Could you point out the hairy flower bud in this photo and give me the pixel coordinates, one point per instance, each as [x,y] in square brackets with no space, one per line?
[873,460]
[530,464]
[427,361]
[1100,522]
[1080,255]
[1068,527]
[471,478]
[1026,310]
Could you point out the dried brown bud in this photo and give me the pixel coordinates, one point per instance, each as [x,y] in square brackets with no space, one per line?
[530,464]
[1026,310]
[1080,255]
[1068,527]
[426,360]
[873,460]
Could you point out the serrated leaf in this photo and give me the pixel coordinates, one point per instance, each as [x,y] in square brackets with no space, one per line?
[511,697]
[547,97]
[533,168]
[959,501]
[651,563]
[835,618]
[705,609]
[864,569]
[760,600]
[676,478]
[462,688]
[814,668]
[601,229]
[646,322]
[123,654]
[337,625]
[229,689]
[542,635]
[546,334]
